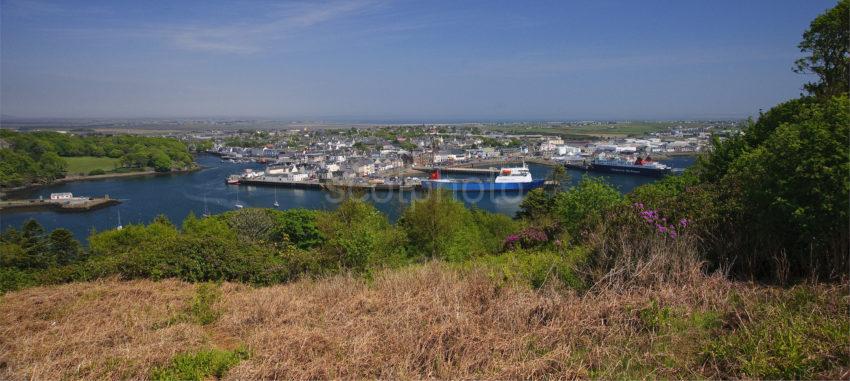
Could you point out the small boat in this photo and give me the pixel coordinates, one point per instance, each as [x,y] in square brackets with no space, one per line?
[509,179]
[206,210]
[238,205]
[232,180]
[119,227]
[275,198]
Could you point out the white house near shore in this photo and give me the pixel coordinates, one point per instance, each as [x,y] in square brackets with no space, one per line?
[61,196]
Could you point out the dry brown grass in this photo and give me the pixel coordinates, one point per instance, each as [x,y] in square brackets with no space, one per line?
[420,322]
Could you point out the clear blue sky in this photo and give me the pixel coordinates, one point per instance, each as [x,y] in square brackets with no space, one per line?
[403,60]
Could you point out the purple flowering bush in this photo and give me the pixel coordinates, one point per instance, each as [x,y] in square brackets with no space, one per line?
[526,238]
[660,223]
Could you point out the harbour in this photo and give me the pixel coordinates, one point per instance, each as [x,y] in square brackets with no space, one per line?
[176,195]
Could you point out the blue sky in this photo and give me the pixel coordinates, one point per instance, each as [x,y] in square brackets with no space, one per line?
[400,60]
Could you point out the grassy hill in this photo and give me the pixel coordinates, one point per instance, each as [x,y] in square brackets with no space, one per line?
[424,321]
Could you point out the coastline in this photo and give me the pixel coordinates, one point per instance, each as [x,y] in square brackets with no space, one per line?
[8,191]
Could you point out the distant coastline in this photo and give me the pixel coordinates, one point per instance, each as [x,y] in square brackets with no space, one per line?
[4,192]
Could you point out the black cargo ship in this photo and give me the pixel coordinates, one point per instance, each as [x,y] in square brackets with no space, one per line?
[642,167]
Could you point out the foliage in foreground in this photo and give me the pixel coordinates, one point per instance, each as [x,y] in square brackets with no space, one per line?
[433,320]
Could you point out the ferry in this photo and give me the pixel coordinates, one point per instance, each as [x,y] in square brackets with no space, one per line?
[509,179]
[641,166]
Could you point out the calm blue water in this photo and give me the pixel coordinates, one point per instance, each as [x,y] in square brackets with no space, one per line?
[143,198]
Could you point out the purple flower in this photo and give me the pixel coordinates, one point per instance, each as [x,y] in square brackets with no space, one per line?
[683,222]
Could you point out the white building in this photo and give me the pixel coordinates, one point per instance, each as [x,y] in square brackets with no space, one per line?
[568,150]
[61,196]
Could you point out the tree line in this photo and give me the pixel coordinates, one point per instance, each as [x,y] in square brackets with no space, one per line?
[37,157]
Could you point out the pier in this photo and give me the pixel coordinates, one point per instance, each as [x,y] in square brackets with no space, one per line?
[76,204]
[314,184]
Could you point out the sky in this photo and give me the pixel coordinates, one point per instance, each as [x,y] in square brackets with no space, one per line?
[356,60]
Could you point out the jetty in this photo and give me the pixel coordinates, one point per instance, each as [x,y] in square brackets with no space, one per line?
[276,181]
[60,204]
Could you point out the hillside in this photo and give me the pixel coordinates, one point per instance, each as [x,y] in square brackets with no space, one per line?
[421,322]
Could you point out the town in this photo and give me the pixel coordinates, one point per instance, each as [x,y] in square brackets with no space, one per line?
[400,155]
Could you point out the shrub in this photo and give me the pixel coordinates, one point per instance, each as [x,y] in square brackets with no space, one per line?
[439,226]
[358,236]
[201,365]
[12,279]
[585,204]
[792,339]
[298,226]
[533,268]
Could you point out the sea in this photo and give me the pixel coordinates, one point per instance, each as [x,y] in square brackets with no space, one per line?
[204,191]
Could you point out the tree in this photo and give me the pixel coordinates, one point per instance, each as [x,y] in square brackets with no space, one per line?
[585,204]
[441,227]
[826,42]
[34,244]
[160,161]
[359,237]
[63,247]
[559,176]
[535,204]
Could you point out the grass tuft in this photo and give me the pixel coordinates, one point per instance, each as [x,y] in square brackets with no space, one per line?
[200,365]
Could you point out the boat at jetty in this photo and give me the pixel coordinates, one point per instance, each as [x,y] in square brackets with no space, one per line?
[509,179]
[641,166]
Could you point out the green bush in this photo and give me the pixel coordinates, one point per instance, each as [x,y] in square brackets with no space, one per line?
[585,204]
[780,192]
[357,236]
[791,339]
[439,226]
[202,365]
[12,279]
[533,268]
[298,226]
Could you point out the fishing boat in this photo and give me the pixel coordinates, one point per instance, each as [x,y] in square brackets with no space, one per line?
[232,180]
[508,179]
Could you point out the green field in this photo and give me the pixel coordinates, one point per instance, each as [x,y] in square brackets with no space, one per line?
[621,129]
[82,165]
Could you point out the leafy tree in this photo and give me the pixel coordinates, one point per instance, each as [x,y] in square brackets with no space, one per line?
[252,224]
[560,176]
[298,226]
[160,161]
[439,226]
[358,236]
[794,186]
[536,203]
[585,204]
[826,43]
